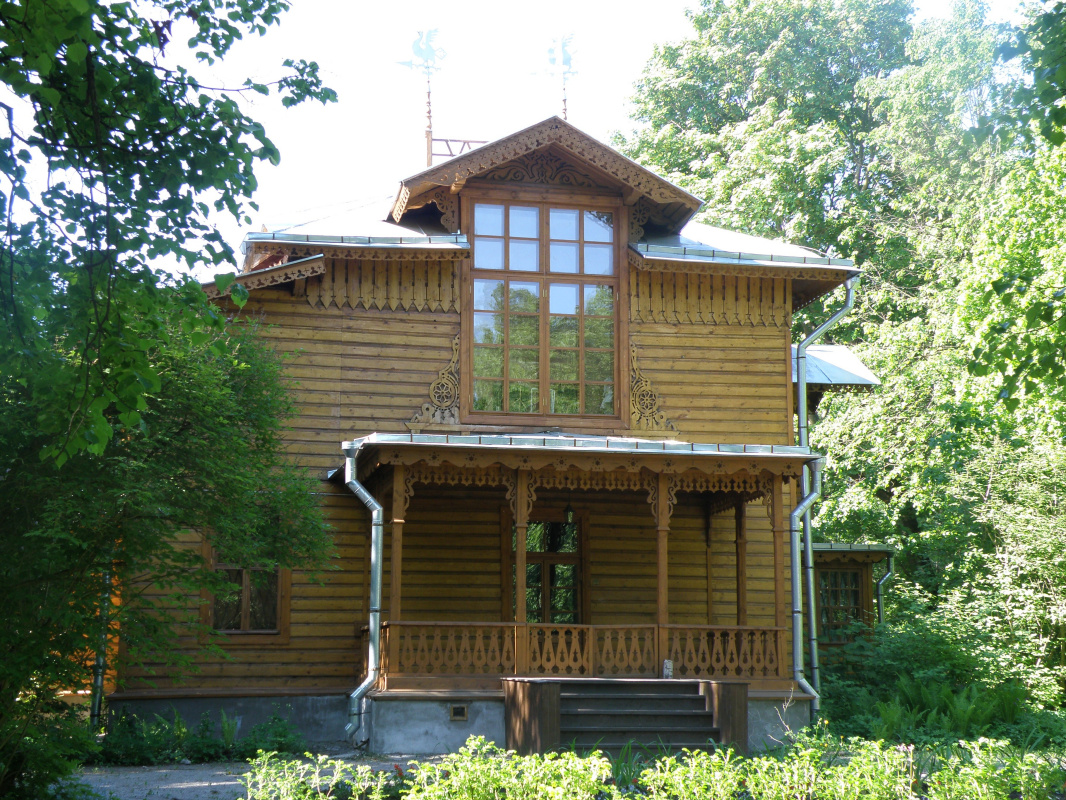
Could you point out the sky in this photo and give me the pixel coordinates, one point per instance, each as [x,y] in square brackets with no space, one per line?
[494,79]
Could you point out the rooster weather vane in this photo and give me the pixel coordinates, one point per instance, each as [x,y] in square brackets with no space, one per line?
[426,53]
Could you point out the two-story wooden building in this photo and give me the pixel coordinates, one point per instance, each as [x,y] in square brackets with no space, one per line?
[575,410]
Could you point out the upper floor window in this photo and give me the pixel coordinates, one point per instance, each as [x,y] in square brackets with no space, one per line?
[544,309]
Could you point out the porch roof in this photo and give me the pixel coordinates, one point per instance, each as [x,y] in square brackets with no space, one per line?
[555,451]
[623,445]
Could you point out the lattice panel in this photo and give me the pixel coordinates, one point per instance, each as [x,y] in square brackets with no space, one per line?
[675,297]
[625,651]
[453,650]
[724,653]
[559,650]
[384,285]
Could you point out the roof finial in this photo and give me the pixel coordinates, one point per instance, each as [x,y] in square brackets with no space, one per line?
[559,58]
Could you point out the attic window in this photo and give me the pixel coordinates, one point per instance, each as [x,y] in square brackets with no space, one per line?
[545,310]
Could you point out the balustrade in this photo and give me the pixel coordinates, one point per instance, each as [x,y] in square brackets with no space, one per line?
[507,648]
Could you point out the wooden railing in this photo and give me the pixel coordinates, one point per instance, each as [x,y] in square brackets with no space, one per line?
[505,648]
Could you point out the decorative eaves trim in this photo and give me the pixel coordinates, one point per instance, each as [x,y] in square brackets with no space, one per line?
[745,265]
[273,276]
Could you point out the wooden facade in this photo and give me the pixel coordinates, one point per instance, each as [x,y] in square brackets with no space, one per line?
[679,559]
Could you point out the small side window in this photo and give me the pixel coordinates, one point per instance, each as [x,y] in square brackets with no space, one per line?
[253,608]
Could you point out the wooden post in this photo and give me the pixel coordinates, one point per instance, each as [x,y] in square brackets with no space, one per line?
[531,715]
[781,615]
[662,524]
[729,702]
[399,511]
[742,562]
[521,515]
[708,539]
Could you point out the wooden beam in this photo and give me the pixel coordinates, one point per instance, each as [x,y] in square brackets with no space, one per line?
[708,540]
[662,524]
[399,511]
[521,512]
[741,517]
[778,512]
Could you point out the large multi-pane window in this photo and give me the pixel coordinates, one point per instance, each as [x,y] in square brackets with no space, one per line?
[545,296]
[840,602]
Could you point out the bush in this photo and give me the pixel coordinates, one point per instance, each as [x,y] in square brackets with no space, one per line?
[132,741]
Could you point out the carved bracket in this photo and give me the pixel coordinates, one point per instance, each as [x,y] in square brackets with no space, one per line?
[443,405]
[644,400]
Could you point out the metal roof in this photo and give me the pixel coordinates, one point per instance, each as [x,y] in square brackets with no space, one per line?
[621,445]
[706,243]
[834,365]
[844,547]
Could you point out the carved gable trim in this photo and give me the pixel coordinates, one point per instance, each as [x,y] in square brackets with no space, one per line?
[542,167]
[552,131]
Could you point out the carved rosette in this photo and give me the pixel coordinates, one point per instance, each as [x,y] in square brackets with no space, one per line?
[644,400]
[443,405]
[638,218]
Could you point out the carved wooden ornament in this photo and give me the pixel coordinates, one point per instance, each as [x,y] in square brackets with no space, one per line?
[644,400]
[443,405]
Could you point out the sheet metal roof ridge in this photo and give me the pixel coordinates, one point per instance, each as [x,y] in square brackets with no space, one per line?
[615,444]
[732,256]
[364,241]
[845,547]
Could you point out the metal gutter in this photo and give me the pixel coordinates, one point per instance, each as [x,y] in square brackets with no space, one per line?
[800,510]
[880,589]
[356,700]
[805,478]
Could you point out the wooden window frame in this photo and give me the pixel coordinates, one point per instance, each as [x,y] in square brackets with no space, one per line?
[865,597]
[546,197]
[507,561]
[278,636]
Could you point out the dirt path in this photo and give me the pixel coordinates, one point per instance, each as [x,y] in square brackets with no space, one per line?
[216,781]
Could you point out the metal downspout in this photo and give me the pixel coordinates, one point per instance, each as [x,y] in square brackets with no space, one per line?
[100,664]
[880,591]
[797,585]
[377,535]
[804,425]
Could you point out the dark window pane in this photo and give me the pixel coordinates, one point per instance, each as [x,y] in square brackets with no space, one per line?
[599,333]
[525,296]
[599,365]
[488,362]
[523,398]
[488,328]
[564,398]
[523,365]
[535,537]
[563,574]
[562,537]
[488,395]
[564,365]
[599,398]
[227,605]
[562,331]
[599,300]
[563,600]
[263,612]
[524,331]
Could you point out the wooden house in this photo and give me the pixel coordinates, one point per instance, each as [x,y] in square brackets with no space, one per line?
[555,422]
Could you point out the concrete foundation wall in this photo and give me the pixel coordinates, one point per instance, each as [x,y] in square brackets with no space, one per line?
[319,718]
[425,727]
[770,721]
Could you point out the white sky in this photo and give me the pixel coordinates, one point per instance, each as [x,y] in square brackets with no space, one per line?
[494,80]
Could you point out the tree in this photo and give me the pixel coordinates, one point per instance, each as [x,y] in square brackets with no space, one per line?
[129,409]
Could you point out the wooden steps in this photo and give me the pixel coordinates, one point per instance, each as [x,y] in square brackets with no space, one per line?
[608,715]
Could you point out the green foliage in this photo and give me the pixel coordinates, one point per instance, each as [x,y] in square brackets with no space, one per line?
[135,741]
[318,778]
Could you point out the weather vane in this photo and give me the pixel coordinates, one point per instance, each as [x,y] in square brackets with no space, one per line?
[427,54]
[559,58]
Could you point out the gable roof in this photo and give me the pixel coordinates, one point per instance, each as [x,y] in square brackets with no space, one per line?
[672,204]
